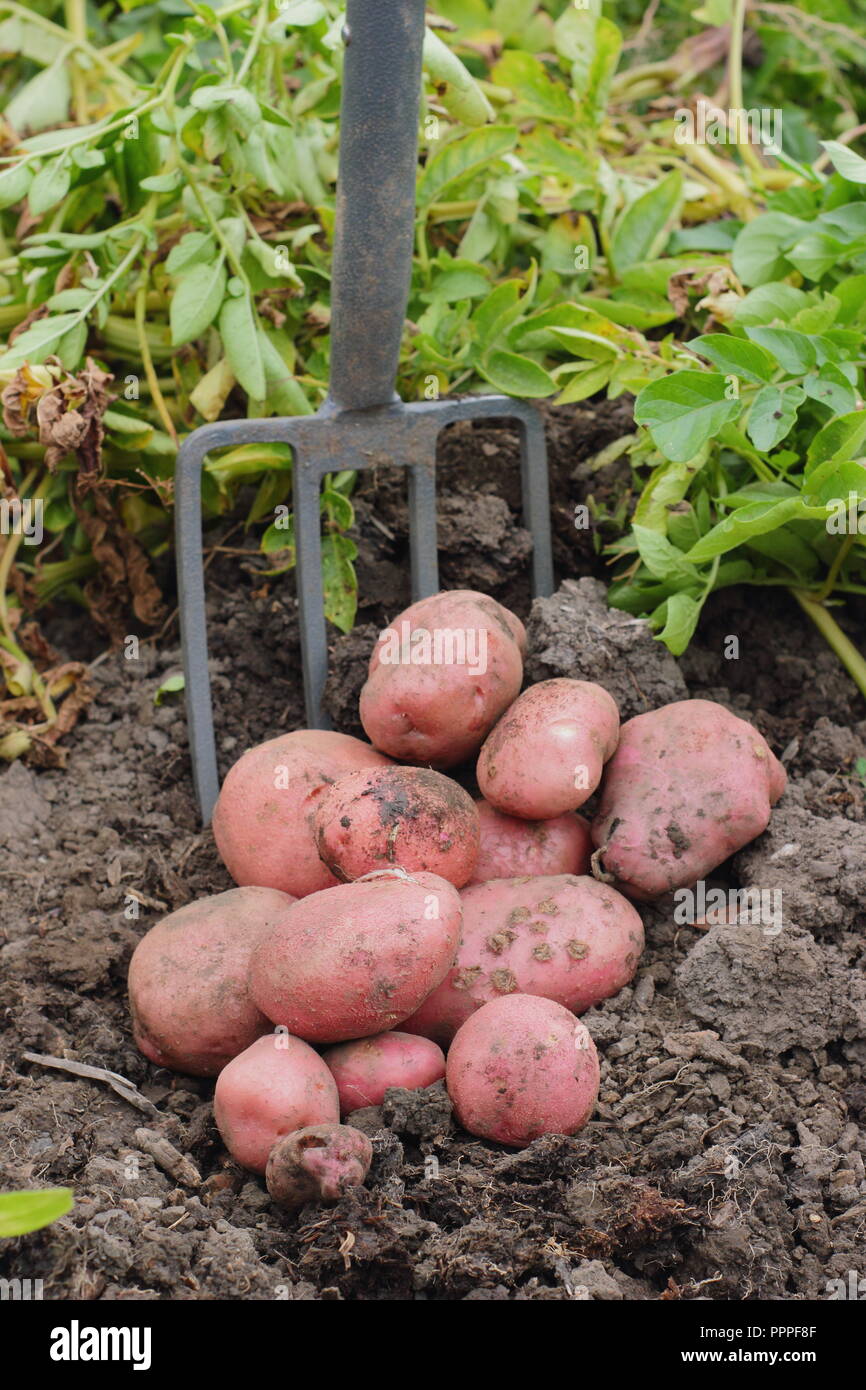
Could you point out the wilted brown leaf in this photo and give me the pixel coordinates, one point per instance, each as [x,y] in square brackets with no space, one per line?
[124,579]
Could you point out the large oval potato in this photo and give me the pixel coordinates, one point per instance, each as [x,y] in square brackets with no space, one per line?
[689,785]
[278,1085]
[411,816]
[189,980]
[440,676]
[512,847]
[262,822]
[521,1067]
[569,939]
[359,958]
[546,754]
[364,1070]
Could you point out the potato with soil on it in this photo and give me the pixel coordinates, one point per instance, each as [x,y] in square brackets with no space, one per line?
[189,980]
[410,816]
[689,784]
[440,676]
[512,847]
[546,754]
[569,939]
[317,1164]
[364,1070]
[276,1086]
[262,822]
[521,1067]
[359,958]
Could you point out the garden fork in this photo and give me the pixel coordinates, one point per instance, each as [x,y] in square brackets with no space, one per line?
[362,423]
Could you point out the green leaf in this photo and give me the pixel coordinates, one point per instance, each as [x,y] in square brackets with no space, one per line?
[49,186]
[773,415]
[462,157]
[769,302]
[832,388]
[793,351]
[735,356]
[585,383]
[678,617]
[662,559]
[338,580]
[839,441]
[284,395]
[644,222]
[42,102]
[500,308]
[533,87]
[162,183]
[816,253]
[280,537]
[242,345]
[236,103]
[297,14]
[632,308]
[193,248]
[581,330]
[758,254]
[39,340]
[846,163]
[516,375]
[196,301]
[338,509]
[172,685]
[22,1212]
[754,520]
[14,183]
[685,410]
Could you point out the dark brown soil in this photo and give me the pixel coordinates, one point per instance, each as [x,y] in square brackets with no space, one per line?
[726,1158]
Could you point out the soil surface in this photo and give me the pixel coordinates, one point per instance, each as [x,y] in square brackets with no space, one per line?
[726,1157]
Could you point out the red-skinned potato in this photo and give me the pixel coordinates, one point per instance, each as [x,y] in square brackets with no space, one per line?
[278,1085]
[511,847]
[364,1070]
[359,958]
[521,1067]
[262,821]
[440,676]
[546,754]
[411,816]
[317,1164]
[569,939]
[689,785]
[189,980]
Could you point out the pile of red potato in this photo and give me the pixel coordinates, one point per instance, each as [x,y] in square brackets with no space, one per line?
[377,896]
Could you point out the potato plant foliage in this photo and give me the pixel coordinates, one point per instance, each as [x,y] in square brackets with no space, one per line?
[167,205]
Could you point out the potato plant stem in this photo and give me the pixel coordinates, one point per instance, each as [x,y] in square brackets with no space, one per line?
[735,84]
[835,638]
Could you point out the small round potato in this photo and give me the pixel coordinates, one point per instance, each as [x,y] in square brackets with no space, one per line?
[569,939]
[188,980]
[317,1164]
[440,676]
[546,754]
[276,1086]
[512,847]
[262,822]
[364,1070]
[521,1067]
[359,958]
[411,816]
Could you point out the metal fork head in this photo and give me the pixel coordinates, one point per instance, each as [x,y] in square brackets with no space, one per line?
[395,435]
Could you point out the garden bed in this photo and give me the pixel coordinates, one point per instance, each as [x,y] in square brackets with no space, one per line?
[725,1159]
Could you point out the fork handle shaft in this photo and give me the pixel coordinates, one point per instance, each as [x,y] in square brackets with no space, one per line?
[375,221]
